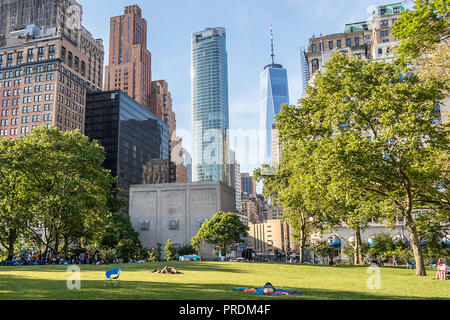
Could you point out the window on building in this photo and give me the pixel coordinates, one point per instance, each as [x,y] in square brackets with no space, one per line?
[330,45]
[349,42]
[315,65]
[356,41]
[339,44]
[314,48]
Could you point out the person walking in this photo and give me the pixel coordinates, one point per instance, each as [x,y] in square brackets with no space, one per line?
[81,258]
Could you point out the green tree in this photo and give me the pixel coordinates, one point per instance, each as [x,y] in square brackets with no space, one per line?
[66,186]
[156,253]
[170,250]
[119,234]
[383,246]
[422,30]
[14,202]
[296,194]
[224,230]
[376,127]
[322,249]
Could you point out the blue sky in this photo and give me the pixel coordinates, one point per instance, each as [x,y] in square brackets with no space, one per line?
[171,22]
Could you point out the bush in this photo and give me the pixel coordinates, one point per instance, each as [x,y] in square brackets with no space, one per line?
[383,247]
[186,250]
[171,252]
[322,249]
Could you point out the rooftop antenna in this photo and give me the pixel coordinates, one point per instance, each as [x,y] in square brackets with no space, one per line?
[271,42]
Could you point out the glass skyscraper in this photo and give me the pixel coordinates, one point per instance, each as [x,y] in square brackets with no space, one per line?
[210,121]
[136,141]
[274,93]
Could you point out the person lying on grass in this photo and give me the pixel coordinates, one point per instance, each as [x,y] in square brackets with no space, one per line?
[270,289]
[166,270]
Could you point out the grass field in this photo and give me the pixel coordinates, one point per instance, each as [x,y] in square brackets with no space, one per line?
[217,281]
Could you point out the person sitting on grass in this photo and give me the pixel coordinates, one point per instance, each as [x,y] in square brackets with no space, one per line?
[374,262]
[382,262]
[441,273]
[331,262]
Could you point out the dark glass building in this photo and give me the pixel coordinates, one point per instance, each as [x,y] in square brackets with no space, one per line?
[135,140]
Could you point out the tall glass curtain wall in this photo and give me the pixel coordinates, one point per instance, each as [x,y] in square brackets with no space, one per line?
[274,93]
[143,146]
[210,106]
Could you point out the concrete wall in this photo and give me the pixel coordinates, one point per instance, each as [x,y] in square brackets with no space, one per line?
[188,203]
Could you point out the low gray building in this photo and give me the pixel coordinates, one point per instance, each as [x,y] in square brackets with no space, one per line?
[176,211]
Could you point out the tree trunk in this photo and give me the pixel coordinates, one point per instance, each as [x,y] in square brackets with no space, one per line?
[359,242]
[415,243]
[12,241]
[66,248]
[302,244]
[356,249]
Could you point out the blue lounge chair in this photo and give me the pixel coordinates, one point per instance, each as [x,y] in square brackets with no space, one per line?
[112,275]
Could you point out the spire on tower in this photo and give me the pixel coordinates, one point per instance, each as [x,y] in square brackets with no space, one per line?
[271,43]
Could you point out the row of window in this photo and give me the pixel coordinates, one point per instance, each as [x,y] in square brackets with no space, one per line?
[39,69]
[12,102]
[73,61]
[38,98]
[338,44]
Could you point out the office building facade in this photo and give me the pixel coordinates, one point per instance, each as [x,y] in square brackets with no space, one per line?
[272,239]
[210,106]
[248,184]
[43,82]
[161,106]
[135,140]
[274,93]
[371,40]
[62,18]
[187,161]
[129,68]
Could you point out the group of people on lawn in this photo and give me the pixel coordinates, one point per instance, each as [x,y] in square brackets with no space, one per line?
[28,258]
[442,268]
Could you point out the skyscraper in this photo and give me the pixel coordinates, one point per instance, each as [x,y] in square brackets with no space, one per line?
[129,66]
[274,93]
[210,106]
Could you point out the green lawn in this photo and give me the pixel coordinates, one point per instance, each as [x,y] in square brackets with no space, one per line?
[216,281]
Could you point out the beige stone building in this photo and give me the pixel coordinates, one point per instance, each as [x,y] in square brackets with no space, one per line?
[251,208]
[271,237]
[274,213]
[177,211]
[371,39]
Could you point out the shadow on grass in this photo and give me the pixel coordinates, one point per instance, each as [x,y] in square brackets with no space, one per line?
[18,288]
[138,267]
